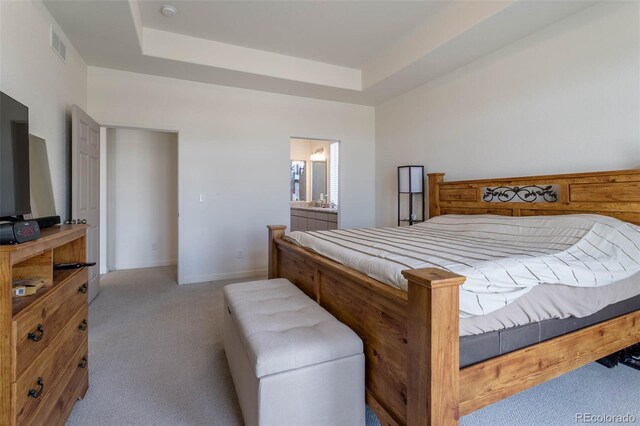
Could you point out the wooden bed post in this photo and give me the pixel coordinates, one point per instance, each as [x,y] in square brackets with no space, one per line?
[435,179]
[275,232]
[433,358]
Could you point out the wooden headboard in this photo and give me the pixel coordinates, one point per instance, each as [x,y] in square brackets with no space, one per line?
[614,194]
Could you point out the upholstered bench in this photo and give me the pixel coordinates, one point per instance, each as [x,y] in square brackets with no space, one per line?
[291,361]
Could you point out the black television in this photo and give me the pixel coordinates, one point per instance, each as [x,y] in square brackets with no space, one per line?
[15,196]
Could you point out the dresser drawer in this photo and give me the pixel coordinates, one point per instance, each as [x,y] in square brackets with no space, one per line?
[36,384]
[36,327]
[72,385]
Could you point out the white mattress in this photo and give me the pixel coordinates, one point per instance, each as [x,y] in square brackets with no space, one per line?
[547,301]
[502,257]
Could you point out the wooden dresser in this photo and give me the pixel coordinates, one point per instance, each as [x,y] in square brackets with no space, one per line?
[43,337]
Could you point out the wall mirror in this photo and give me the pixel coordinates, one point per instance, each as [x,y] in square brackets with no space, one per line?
[319,179]
[298,180]
[42,202]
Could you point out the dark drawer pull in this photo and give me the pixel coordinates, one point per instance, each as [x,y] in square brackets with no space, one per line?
[37,335]
[83,325]
[83,363]
[36,393]
[83,289]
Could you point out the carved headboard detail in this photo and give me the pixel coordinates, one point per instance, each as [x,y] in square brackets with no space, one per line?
[615,193]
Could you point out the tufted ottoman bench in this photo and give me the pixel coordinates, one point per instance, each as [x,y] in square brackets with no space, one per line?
[291,361]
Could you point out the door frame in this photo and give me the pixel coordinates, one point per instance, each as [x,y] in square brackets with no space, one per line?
[179,224]
[340,166]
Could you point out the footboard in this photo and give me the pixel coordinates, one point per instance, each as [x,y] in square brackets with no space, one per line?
[411,340]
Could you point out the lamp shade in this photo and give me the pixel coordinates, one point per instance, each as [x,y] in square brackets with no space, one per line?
[410,179]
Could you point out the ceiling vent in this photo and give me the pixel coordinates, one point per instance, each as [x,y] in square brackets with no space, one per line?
[58,45]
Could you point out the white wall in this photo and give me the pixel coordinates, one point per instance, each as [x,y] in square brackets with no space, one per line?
[32,73]
[234,149]
[566,99]
[142,188]
[300,149]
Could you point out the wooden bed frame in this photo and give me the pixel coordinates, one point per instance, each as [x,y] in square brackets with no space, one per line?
[411,339]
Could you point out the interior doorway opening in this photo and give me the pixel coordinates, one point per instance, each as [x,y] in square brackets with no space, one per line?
[139,194]
[314,184]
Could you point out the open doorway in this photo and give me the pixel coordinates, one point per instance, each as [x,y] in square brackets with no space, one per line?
[140,197]
[314,184]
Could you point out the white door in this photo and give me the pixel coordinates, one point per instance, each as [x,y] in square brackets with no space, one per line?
[85,187]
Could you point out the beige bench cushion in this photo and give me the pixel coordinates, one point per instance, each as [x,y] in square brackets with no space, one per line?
[282,329]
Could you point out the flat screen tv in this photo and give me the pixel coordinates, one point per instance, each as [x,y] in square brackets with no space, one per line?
[14,158]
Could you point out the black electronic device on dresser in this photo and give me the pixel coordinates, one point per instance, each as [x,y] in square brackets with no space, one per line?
[16,179]
[15,195]
[19,232]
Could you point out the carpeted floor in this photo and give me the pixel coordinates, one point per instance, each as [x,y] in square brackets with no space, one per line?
[156,358]
[156,355]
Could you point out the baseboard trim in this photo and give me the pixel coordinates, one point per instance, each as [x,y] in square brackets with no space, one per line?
[150,264]
[223,276]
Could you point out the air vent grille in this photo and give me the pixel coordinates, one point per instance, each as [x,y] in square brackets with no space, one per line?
[58,45]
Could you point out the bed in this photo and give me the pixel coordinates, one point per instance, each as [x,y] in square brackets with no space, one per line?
[414,371]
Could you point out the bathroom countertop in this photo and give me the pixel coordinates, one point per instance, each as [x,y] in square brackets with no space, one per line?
[317,209]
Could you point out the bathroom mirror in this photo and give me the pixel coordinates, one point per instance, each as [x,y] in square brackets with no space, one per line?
[319,179]
[298,180]
[42,202]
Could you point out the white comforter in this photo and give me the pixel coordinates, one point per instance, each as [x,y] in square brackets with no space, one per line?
[502,257]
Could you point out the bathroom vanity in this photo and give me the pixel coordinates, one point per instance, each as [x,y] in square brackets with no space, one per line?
[313,219]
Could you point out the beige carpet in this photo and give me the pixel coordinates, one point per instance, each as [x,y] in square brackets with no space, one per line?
[156,358]
[156,355]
